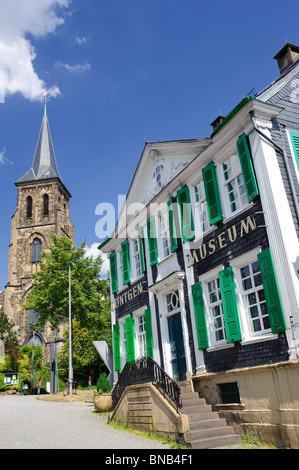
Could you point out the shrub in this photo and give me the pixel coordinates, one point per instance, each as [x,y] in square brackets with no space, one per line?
[103,384]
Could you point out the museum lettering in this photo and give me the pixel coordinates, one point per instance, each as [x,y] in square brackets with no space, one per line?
[225,238]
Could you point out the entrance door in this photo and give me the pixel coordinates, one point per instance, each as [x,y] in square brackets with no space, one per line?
[178,359]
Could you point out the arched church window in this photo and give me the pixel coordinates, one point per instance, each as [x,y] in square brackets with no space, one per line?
[36,250]
[29,207]
[35,340]
[46,204]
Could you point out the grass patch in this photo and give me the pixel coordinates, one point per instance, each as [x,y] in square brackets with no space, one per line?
[252,442]
[173,444]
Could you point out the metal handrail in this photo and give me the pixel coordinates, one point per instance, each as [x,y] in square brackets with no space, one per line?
[146,370]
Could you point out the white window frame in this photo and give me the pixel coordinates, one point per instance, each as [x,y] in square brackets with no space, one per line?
[135,255]
[163,239]
[223,186]
[212,306]
[123,341]
[140,337]
[120,281]
[200,204]
[248,334]
[205,279]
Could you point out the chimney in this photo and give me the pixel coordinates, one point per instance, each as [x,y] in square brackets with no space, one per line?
[286,56]
[217,122]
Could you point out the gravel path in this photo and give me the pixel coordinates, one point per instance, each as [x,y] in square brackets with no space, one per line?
[29,423]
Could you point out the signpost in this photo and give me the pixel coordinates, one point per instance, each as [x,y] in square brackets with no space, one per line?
[53,363]
[39,384]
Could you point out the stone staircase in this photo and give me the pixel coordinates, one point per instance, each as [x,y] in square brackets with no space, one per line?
[207,430]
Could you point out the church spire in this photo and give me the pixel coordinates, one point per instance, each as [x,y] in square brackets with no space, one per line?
[44,164]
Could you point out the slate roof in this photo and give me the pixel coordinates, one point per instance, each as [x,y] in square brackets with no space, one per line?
[44,164]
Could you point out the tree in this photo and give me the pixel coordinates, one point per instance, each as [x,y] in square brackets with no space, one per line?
[49,295]
[86,360]
[6,330]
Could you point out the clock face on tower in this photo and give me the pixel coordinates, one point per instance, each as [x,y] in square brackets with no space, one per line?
[159,178]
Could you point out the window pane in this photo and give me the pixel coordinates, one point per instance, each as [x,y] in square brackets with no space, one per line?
[256,325]
[245,272]
[256,305]
[247,284]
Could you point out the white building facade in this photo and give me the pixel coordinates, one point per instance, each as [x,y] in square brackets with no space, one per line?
[205,261]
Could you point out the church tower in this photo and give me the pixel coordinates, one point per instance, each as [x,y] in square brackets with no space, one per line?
[42,210]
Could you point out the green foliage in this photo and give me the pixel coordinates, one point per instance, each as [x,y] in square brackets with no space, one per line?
[103,384]
[86,360]
[6,330]
[50,293]
[90,304]
[18,360]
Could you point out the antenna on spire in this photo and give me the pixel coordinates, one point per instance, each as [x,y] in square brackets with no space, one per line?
[46,99]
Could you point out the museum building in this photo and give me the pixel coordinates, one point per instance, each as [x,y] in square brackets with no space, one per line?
[204,260]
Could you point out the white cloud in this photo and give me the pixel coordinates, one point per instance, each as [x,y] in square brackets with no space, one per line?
[79,68]
[3,159]
[93,251]
[18,19]
[80,41]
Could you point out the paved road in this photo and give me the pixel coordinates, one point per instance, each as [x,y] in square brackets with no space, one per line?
[28,423]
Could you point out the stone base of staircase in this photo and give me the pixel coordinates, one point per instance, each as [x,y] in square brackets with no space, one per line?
[207,429]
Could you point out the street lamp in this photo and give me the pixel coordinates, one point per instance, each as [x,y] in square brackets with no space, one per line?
[70,379]
[32,356]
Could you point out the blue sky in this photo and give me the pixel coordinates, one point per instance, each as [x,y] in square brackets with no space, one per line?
[120,72]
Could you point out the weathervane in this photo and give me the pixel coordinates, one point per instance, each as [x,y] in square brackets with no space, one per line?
[46,100]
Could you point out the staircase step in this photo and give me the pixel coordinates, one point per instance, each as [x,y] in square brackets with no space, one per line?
[193,401]
[198,408]
[207,424]
[200,434]
[214,442]
[207,429]
[187,395]
[196,417]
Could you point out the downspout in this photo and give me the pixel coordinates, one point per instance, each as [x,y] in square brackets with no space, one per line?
[287,166]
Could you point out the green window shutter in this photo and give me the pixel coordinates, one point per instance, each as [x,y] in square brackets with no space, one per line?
[295,141]
[148,331]
[247,168]
[186,214]
[272,296]
[116,347]
[152,241]
[113,272]
[130,339]
[125,256]
[200,318]
[212,193]
[229,305]
[172,229]
[141,248]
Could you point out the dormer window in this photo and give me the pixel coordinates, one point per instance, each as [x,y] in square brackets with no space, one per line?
[45,205]
[29,207]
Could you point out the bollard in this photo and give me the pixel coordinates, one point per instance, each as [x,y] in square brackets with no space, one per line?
[39,384]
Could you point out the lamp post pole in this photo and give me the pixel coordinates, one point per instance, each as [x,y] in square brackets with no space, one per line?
[70,339]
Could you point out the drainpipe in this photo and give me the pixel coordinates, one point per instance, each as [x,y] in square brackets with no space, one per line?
[287,166]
